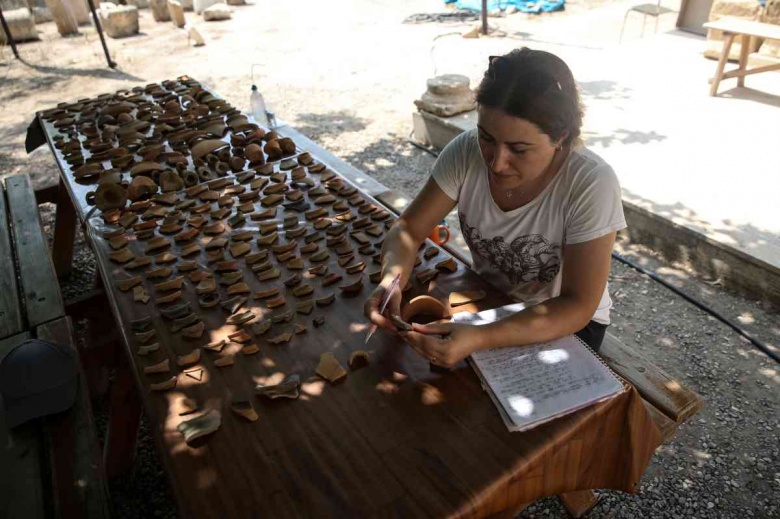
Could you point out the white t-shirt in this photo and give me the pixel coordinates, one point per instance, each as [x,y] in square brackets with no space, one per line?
[521,251]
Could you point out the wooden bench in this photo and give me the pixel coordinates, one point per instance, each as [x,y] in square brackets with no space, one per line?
[51,467]
[668,401]
[731,28]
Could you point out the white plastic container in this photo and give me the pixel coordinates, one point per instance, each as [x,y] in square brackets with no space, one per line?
[257,107]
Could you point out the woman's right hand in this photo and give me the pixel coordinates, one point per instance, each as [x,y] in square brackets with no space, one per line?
[371,308]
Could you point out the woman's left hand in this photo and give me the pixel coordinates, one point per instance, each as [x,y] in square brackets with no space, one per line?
[444,344]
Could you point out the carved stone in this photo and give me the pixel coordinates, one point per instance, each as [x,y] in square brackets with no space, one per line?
[447,95]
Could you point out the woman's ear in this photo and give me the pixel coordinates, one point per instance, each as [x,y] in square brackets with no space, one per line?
[560,142]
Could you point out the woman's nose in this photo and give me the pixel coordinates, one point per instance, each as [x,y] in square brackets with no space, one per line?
[500,160]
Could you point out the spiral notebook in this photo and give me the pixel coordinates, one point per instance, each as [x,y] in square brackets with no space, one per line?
[533,384]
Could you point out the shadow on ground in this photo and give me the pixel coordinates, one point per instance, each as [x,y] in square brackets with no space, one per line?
[329,125]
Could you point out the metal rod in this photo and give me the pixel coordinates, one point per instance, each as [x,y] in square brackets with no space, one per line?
[111,64]
[484,17]
[8,36]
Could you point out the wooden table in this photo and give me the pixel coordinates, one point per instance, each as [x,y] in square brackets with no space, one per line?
[732,28]
[394,439]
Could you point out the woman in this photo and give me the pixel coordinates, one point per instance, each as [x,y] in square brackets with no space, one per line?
[538,212]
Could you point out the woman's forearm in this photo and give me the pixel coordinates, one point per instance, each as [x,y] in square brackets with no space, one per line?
[549,320]
[399,252]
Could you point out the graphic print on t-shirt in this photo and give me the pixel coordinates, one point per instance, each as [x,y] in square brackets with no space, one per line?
[527,258]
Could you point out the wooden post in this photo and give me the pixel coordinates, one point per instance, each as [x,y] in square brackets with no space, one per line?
[124,419]
[724,57]
[63,17]
[484,17]
[743,58]
[64,232]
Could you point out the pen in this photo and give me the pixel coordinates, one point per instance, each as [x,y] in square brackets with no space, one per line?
[383,304]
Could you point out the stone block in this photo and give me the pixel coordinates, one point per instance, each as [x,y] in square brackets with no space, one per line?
[176,13]
[217,12]
[187,5]
[195,37]
[63,16]
[42,15]
[118,21]
[21,25]
[447,95]
[81,12]
[236,2]
[140,4]
[160,10]
[740,9]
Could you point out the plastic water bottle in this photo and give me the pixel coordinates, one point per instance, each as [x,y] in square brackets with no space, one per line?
[257,107]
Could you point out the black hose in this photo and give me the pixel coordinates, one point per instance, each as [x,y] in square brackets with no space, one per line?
[764,347]
[761,345]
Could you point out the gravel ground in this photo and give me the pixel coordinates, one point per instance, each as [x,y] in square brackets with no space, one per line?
[355,100]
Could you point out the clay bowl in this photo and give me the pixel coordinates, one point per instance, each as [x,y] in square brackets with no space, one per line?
[424,310]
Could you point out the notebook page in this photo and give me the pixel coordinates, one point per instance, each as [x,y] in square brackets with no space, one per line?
[536,383]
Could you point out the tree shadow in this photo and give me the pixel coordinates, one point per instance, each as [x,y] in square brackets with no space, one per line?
[46,84]
[621,136]
[329,125]
[102,73]
[392,162]
[603,90]
[734,255]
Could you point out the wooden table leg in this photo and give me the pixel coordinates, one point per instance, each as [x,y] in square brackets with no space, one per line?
[124,419]
[64,233]
[724,57]
[743,57]
[579,503]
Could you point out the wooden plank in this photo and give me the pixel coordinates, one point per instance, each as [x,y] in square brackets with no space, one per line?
[749,72]
[41,292]
[655,385]
[665,424]
[64,232]
[78,481]
[22,490]
[11,322]
[734,26]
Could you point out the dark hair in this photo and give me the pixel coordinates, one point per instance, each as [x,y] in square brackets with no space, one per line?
[537,86]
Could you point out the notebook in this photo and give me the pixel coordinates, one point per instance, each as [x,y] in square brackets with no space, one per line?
[533,384]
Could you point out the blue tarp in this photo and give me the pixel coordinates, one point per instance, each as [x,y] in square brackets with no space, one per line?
[541,6]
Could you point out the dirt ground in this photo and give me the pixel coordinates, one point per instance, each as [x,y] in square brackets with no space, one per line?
[345,74]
